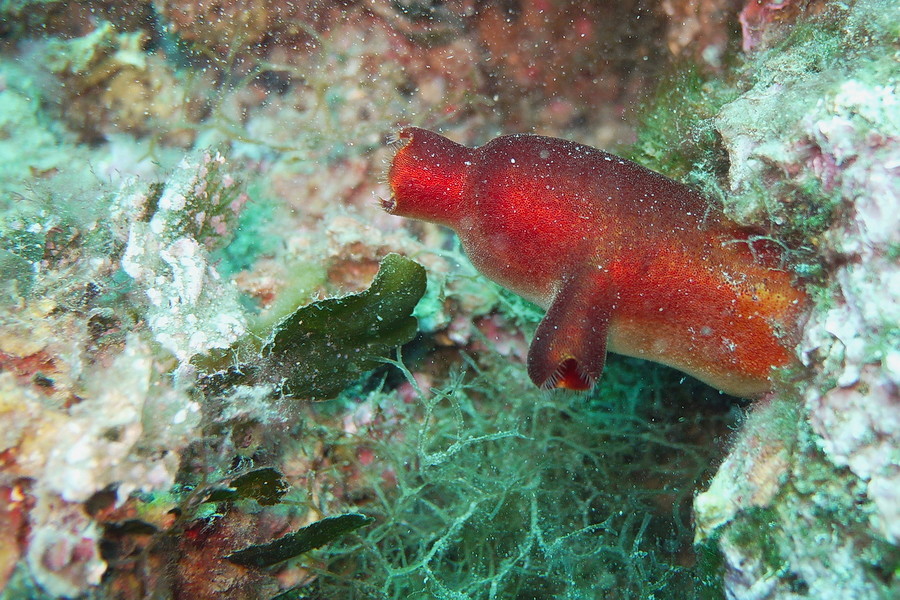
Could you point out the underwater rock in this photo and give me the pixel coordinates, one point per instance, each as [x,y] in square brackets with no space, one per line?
[202,571]
[235,26]
[30,145]
[109,85]
[698,28]
[190,308]
[125,437]
[217,25]
[63,553]
[36,18]
[86,394]
[554,67]
[806,505]
[764,23]
[114,451]
[854,341]
[12,523]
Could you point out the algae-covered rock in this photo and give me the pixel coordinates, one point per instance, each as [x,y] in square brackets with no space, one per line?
[30,143]
[806,505]
[190,308]
[110,85]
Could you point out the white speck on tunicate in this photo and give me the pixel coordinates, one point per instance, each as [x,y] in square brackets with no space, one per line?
[512,160]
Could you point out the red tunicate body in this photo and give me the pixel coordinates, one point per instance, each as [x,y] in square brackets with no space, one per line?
[622,257]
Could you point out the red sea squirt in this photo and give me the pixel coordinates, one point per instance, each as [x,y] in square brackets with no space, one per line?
[622,258]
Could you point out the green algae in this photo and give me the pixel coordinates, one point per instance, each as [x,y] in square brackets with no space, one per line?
[314,535]
[267,486]
[322,347]
[504,491]
[676,129]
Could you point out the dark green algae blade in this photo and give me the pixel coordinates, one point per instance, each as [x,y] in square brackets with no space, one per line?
[322,347]
[266,486]
[303,540]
